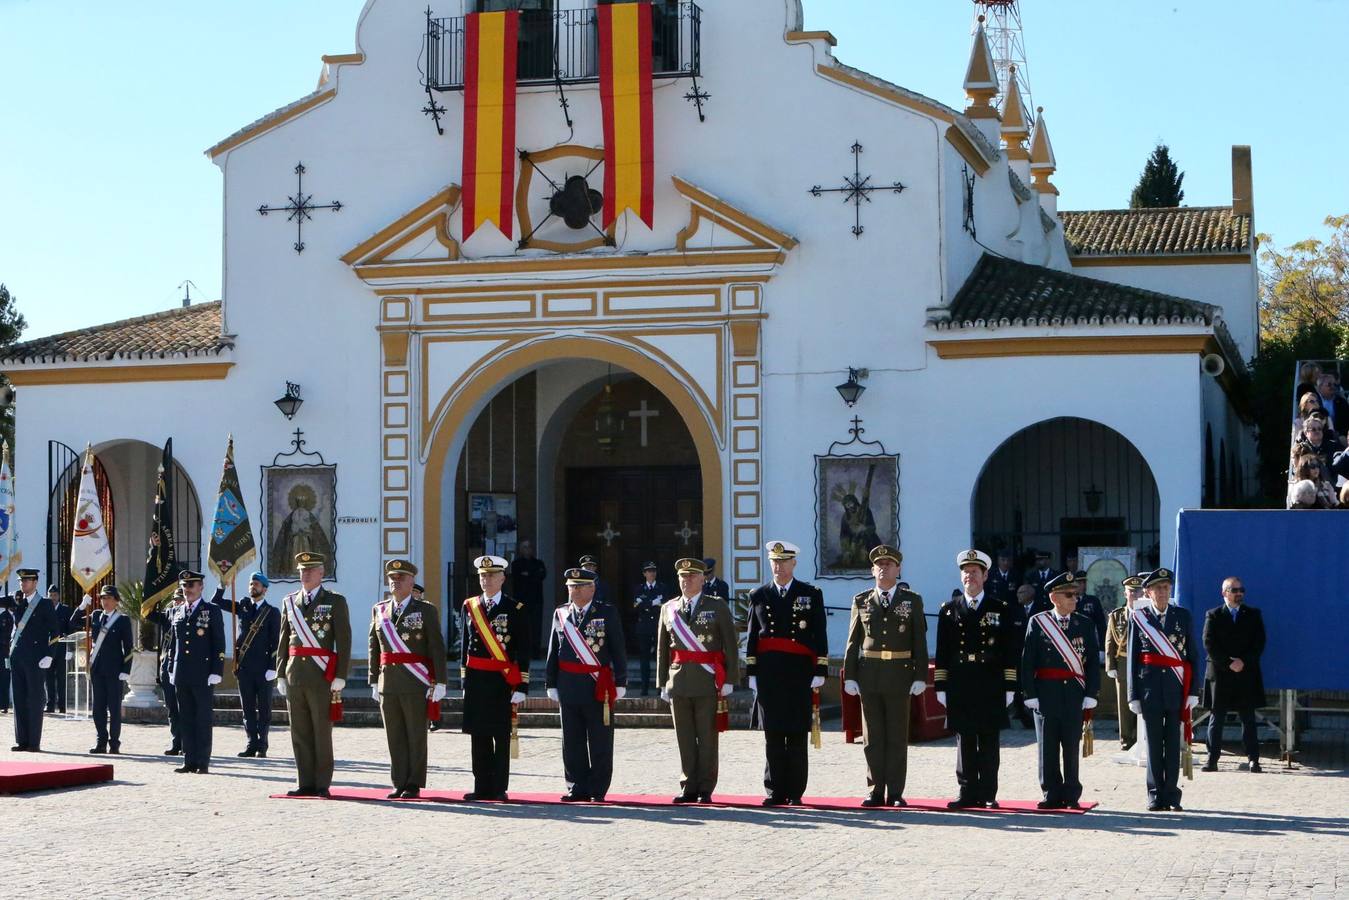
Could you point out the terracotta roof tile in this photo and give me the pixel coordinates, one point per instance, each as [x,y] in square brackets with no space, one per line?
[1156,232]
[186,331]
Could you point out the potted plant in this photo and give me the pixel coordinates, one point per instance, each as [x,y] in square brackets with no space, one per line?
[144,663]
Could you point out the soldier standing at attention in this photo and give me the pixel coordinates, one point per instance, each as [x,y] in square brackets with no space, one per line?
[712,585]
[975,679]
[255,659]
[109,665]
[587,672]
[495,649]
[163,620]
[886,664]
[407,676]
[1060,679]
[198,662]
[314,649]
[787,660]
[1117,658]
[646,604]
[697,664]
[30,655]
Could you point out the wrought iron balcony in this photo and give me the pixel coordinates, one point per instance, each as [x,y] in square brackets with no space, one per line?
[562,46]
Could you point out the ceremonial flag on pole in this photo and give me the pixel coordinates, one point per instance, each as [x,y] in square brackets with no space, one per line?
[232,544]
[161,562]
[490,51]
[90,552]
[625,99]
[9,536]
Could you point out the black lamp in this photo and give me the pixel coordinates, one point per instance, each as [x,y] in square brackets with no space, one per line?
[850,390]
[291,402]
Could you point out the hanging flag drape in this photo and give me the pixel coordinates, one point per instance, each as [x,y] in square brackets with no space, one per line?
[90,552]
[161,560]
[10,557]
[232,544]
[490,51]
[625,96]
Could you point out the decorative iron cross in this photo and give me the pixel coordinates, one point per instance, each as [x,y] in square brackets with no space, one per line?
[300,206]
[686,533]
[697,97]
[855,189]
[608,534]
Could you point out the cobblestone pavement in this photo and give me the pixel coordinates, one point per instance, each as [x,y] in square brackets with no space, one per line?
[152,833]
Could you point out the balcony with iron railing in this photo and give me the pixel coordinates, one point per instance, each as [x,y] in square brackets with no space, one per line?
[562,46]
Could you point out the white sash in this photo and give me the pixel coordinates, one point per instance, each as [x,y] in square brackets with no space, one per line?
[578,644]
[386,627]
[688,638]
[303,631]
[102,633]
[23,623]
[1050,626]
[1161,644]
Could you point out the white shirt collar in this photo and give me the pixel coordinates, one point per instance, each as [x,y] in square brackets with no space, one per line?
[580,611]
[784,587]
[690,602]
[975,600]
[492,600]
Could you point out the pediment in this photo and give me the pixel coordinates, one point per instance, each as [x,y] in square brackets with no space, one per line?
[421,235]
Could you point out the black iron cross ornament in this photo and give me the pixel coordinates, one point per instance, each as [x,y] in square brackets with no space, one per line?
[856,188]
[299,206]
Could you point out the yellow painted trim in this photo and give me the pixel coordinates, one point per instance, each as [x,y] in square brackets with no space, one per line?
[794,37]
[1182,259]
[1104,345]
[738,221]
[886,93]
[418,269]
[395,341]
[342,59]
[968,152]
[373,249]
[685,282]
[267,125]
[120,374]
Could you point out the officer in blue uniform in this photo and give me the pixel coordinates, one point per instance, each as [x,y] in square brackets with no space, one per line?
[1058,699]
[1155,692]
[198,661]
[57,673]
[109,664]
[255,658]
[646,603]
[29,649]
[1002,581]
[714,586]
[592,565]
[163,620]
[1088,605]
[6,632]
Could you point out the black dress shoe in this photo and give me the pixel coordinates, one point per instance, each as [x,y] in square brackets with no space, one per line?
[774,801]
[898,801]
[474,797]
[574,797]
[324,793]
[962,803]
[501,797]
[201,770]
[262,753]
[992,804]
[394,795]
[704,798]
[101,748]
[1156,806]
[1049,804]
[1255,766]
[1125,745]
[174,751]
[793,801]
[685,798]
[247,754]
[184,769]
[873,801]
[18,748]
[115,749]
[411,792]
[1073,805]
[1210,766]
[301,792]
[599,799]
[1176,807]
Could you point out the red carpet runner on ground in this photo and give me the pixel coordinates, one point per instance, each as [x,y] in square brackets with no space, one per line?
[20,777]
[721,800]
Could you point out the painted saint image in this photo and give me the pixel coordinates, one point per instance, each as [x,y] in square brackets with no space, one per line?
[857,528]
[301,516]
[300,531]
[858,501]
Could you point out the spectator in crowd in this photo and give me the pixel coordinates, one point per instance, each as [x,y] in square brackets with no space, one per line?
[1344,496]
[1310,468]
[1309,404]
[1313,441]
[1328,391]
[1302,495]
[1307,374]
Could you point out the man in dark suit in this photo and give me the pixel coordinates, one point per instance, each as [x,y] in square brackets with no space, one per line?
[1333,402]
[586,673]
[254,658]
[1234,639]
[1162,687]
[30,655]
[109,664]
[198,662]
[1002,581]
[646,603]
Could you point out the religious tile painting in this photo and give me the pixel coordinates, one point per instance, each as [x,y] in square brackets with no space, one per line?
[1106,567]
[300,513]
[857,507]
[493,525]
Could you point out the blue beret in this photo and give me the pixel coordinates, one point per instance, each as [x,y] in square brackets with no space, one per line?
[260,579]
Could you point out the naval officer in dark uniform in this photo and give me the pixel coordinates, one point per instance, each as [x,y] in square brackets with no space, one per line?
[646,603]
[1059,698]
[198,661]
[586,689]
[255,659]
[57,674]
[976,678]
[787,659]
[109,664]
[30,655]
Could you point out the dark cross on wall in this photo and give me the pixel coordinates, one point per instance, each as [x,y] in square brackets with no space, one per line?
[299,207]
[856,189]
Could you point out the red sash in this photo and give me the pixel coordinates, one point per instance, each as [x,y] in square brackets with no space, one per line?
[330,670]
[783,645]
[1056,674]
[605,690]
[1166,662]
[713,658]
[401,659]
[509,670]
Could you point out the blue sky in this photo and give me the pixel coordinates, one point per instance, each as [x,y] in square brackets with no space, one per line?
[107,202]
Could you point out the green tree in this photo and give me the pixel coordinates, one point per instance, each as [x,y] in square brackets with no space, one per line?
[1159,185]
[12,325]
[1305,284]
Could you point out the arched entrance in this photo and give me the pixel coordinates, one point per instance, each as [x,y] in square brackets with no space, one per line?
[1062,484]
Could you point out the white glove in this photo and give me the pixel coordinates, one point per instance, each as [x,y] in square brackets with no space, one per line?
[726,689]
[374,692]
[281,686]
[123,676]
[1088,702]
[1191,702]
[438,693]
[754,683]
[86,602]
[339,684]
[45,662]
[621,692]
[1113,674]
[269,675]
[665,694]
[917,688]
[1007,698]
[517,698]
[212,680]
[1136,707]
[817,682]
[552,694]
[941,698]
[1032,703]
[850,688]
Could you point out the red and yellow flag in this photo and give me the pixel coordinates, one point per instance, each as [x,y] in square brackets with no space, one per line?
[489,119]
[625,94]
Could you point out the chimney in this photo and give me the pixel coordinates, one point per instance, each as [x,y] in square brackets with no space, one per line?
[1243,194]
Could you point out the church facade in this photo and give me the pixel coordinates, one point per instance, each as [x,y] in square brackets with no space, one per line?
[1033,379]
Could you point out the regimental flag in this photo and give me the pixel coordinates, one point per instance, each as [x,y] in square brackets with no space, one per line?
[232,544]
[9,536]
[625,97]
[490,51]
[161,561]
[90,552]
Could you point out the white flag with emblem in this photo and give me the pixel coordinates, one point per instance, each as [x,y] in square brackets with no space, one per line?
[90,554]
[9,537]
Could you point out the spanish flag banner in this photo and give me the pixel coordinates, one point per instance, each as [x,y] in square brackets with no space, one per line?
[625,95]
[489,119]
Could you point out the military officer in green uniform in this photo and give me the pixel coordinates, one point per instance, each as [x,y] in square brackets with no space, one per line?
[885,663]
[1117,657]
[407,675]
[314,656]
[697,664]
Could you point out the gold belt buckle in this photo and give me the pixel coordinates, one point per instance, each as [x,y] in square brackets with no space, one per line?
[886,655]
[970,657]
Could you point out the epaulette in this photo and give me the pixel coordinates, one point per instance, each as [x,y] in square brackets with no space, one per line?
[858,598]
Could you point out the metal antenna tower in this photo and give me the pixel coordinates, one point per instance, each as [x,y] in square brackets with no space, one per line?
[1002,24]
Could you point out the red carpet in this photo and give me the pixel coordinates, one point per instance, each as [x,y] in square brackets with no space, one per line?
[18,777]
[721,800]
